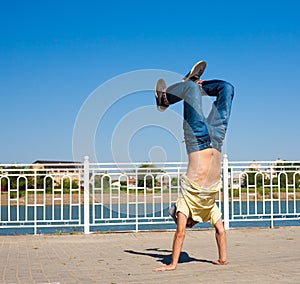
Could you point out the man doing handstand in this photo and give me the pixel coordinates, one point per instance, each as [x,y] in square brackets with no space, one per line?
[203,138]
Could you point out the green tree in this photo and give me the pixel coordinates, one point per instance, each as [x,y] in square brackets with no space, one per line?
[252,177]
[147,173]
[287,173]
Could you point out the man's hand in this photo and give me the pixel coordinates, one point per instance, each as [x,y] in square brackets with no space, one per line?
[165,268]
[199,82]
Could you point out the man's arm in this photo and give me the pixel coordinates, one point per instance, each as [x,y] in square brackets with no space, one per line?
[177,243]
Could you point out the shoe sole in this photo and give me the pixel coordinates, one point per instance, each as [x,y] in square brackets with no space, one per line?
[160,86]
[197,69]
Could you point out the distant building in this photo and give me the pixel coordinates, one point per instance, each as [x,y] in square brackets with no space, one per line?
[255,166]
[59,170]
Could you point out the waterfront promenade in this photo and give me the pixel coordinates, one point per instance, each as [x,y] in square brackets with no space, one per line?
[255,255]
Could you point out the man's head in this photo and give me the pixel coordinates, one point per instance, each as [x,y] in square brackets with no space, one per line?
[190,223]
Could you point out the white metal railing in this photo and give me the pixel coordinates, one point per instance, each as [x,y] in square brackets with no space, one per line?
[136,196]
[133,195]
[266,191]
[39,196]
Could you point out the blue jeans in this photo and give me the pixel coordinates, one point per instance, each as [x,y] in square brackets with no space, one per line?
[201,132]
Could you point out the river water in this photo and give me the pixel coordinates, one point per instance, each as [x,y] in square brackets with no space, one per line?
[69,219]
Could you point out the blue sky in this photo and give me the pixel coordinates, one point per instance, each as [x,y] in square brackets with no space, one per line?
[54,54]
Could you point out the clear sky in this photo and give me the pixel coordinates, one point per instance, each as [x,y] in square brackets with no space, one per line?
[54,54]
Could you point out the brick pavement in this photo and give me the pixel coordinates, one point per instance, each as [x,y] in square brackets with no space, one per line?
[255,255]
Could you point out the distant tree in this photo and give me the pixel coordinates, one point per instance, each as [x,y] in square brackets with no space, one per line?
[147,173]
[252,177]
[101,181]
[287,173]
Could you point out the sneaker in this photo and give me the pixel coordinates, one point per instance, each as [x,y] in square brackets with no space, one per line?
[160,87]
[196,72]
[172,213]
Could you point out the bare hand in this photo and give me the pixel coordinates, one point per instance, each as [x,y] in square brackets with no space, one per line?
[165,268]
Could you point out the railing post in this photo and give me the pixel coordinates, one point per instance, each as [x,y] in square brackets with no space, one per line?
[225,192]
[137,205]
[271,197]
[86,195]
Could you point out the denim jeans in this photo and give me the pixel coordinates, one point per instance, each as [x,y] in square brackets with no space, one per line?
[201,132]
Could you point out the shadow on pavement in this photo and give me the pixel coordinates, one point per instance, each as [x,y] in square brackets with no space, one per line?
[164,258]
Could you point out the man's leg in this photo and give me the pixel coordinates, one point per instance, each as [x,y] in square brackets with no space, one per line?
[220,113]
[221,243]
[195,127]
[177,243]
[201,133]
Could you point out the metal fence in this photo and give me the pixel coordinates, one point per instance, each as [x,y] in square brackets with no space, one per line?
[38,197]
[267,192]
[89,197]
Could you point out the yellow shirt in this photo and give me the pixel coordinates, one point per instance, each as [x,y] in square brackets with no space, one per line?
[197,202]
